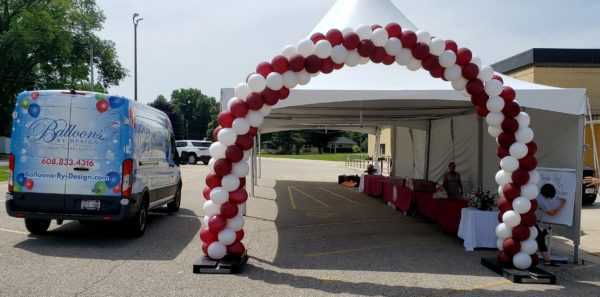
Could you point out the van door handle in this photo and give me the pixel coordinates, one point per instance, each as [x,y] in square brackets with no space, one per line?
[142,163]
[81,169]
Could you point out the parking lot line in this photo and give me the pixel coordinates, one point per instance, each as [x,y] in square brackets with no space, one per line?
[292,197]
[13,231]
[348,251]
[340,196]
[309,196]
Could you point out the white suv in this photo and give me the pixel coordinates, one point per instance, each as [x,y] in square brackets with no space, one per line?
[193,151]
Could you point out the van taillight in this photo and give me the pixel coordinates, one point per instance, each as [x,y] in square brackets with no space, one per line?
[11,170]
[127,179]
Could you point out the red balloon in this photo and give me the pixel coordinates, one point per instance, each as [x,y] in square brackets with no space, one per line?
[511,109]
[534,206]
[508,94]
[316,37]
[470,71]
[237,249]
[207,236]
[502,152]
[504,258]
[528,219]
[242,182]
[535,260]
[254,101]
[264,68]
[297,63]
[506,139]
[437,72]
[229,210]
[475,86]
[479,99]
[463,56]
[366,48]
[238,196]
[270,97]
[239,235]
[206,192]
[388,60]
[205,249]
[451,46]
[510,125]
[313,64]
[239,108]
[420,51]
[482,111]
[532,148]
[215,133]
[335,37]
[351,41]
[244,142]
[511,246]
[430,62]
[222,167]
[378,55]
[394,30]
[498,77]
[338,66]
[500,214]
[511,191]
[520,233]
[225,119]
[409,39]
[216,224]
[375,27]
[520,177]
[253,131]
[528,163]
[213,180]
[504,205]
[234,154]
[284,93]
[280,64]
[327,66]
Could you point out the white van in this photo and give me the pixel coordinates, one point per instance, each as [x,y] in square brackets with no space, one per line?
[90,157]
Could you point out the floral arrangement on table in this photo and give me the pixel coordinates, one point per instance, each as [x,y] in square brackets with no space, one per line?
[482,200]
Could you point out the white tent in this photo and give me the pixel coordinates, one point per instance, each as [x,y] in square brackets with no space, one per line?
[433,124]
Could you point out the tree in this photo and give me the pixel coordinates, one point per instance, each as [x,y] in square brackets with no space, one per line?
[161,103]
[46,44]
[199,112]
[288,141]
[320,138]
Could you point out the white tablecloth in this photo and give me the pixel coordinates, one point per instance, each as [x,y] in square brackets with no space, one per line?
[478,228]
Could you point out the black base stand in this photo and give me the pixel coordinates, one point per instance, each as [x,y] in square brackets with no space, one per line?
[533,275]
[227,265]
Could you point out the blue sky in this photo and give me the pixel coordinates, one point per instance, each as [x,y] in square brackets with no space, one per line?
[214,44]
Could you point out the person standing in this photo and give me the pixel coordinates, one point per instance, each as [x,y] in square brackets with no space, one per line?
[452,182]
[548,205]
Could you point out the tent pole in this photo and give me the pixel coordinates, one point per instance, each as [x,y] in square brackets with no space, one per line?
[377,149]
[578,192]
[428,150]
[259,156]
[392,168]
[593,132]
[480,154]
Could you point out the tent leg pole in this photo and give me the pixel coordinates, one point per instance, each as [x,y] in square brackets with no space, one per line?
[392,164]
[578,192]
[259,156]
[593,132]
[480,154]
[428,150]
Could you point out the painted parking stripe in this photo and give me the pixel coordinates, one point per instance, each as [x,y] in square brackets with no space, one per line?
[340,196]
[13,231]
[291,196]
[310,196]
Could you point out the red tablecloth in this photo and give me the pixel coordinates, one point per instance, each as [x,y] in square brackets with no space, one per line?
[374,185]
[405,198]
[448,214]
[426,205]
[389,185]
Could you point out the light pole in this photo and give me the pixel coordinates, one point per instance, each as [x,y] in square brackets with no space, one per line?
[136,20]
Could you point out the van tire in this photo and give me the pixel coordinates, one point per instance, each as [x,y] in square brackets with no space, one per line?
[191,159]
[37,226]
[136,226]
[174,205]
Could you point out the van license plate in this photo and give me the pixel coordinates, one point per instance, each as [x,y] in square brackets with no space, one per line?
[590,191]
[90,204]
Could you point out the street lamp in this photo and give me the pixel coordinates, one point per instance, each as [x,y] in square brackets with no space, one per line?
[136,20]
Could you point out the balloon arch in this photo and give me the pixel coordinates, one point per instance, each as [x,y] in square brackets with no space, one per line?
[225,192]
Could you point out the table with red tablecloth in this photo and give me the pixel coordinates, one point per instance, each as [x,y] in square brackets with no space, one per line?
[448,212]
[374,185]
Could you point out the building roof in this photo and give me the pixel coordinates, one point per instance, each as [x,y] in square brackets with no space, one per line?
[550,57]
[342,140]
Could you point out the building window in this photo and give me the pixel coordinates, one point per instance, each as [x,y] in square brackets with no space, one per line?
[382,149]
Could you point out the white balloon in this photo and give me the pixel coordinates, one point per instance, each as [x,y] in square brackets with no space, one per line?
[476,61]
[274,81]
[486,73]
[240,169]
[500,191]
[423,36]
[511,218]
[404,57]
[521,205]
[522,261]
[347,30]
[500,244]
[323,49]
[240,126]
[533,233]
[306,47]
[437,46]
[230,102]
[205,221]
[529,247]
[493,87]
[518,150]
[290,80]
[364,32]
[230,182]
[227,237]
[219,195]
[523,119]
[509,164]
[452,73]
[414,65]
[266,110]
[227,136]
[339,53]
[534,177]
[211,164]
[255,118]
[216,250]
[494,119]
[495,104]
[503,231]
[257,83]
[289,51]
[217,150]
[530,191]
[379,37]
[494,131]
[459,84]
[353,58]
[447,59]
[303,77]
[211,208]
[236,223]
[393,46]
[524,135]
[503,177]
[364,60]
[246,155]
[242,91]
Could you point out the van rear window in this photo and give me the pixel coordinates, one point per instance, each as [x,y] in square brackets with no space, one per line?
[201,144]
[181,144]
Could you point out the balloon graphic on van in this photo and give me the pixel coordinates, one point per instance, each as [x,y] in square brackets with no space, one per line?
[21,179]
[100,188]
[25,103]
[116,101]
[34,110]
[113,179]
[102,106]
[29,184]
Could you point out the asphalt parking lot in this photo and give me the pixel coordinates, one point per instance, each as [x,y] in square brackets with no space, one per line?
[306,236]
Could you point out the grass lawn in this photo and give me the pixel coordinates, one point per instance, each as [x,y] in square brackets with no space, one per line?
[3,173]
[321,157]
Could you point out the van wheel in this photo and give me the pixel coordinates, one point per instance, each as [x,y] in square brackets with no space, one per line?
[36,226]
[136,226]
[192,160]
[174,205]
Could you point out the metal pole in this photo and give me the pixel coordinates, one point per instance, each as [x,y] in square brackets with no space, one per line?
[578,192]
[259,156]
[428,150]
[480,154]
[593,132]
[136,20]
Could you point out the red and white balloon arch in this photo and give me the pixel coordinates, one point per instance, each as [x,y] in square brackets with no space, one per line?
[517,178]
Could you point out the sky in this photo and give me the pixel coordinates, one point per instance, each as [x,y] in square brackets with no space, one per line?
[214,44]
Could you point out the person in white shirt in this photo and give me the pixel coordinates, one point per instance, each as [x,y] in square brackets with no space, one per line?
[551,205]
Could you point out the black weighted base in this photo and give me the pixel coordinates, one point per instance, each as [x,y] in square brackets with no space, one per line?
[533,275]
[227,265]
